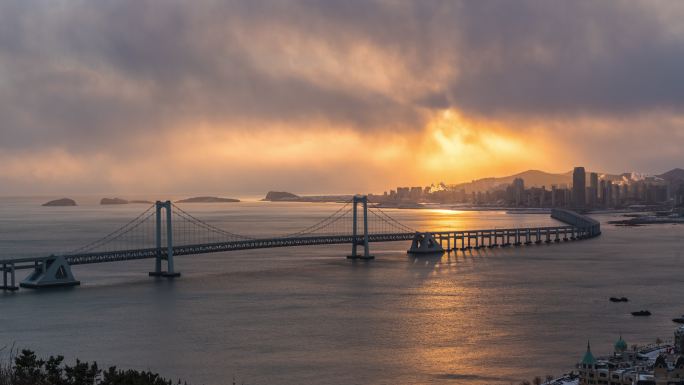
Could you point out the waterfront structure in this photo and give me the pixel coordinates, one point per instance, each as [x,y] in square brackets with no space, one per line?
[659,364]
[578,187]
[177,232]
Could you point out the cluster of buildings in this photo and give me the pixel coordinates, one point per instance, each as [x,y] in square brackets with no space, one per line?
[591,193]
[587,191]
[660,364]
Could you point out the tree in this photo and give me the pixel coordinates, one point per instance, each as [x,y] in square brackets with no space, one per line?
[28,369]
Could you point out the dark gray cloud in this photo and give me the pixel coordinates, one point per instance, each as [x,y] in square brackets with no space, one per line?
[82,74]
[537,57]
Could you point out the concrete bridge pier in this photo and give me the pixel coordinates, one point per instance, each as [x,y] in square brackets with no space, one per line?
[170,271]
[363,200]
[496,240]
[8,268]
[505,239]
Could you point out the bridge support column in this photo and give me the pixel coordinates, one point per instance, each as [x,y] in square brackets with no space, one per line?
[170,272]
[363,199]
[8,269]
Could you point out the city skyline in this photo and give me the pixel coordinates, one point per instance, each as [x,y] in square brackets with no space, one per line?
[331,96]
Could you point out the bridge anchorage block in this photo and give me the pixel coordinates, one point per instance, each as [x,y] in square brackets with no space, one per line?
[425,243]
[52,272]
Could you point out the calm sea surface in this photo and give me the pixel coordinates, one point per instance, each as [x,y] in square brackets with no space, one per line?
[309,316]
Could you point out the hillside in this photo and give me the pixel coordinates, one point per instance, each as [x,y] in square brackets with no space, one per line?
[674,174]
[532,178]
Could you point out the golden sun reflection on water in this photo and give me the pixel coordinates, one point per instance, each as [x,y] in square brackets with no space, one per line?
[452,329]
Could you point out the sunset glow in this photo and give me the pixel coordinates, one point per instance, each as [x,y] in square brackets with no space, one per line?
[253,93]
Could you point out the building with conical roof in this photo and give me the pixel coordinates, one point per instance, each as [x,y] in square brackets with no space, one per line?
[588,359]
[587,367]
[620,345]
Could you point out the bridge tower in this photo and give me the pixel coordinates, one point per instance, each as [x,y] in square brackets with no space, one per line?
[166,206]
[363,200]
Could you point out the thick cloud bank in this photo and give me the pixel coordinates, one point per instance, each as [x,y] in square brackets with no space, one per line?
[97,81]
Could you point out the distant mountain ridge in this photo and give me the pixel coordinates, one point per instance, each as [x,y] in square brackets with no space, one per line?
[532,178]
[674,174]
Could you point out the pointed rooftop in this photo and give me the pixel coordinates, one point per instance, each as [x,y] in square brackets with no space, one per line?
[588,358]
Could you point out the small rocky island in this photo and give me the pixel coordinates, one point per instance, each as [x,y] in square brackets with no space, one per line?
[61,202]
[208,200]
[113,201]
[283,196]
[280,196]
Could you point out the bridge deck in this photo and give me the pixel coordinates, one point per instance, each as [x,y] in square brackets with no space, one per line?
[125,255]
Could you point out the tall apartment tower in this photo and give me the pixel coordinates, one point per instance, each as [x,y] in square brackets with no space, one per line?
[519,189]
[593,189]
[579,185]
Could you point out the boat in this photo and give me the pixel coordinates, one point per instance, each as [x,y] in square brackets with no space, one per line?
[641,313]
[679,320]
[619,299]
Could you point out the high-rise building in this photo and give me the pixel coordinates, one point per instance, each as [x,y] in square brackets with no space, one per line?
[579,182]
[609,194]
[593,189]
[519,190]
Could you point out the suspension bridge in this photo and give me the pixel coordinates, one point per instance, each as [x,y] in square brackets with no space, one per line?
[165,230]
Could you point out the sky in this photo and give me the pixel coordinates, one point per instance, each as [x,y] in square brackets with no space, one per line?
[241,97]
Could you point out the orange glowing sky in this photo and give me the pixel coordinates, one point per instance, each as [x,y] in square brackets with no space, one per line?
[323,97]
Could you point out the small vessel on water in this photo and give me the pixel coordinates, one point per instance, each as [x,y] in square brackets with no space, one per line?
[619,299]
[679,320]
[641,313]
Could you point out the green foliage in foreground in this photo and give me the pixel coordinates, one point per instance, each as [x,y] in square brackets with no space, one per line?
[27,369]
